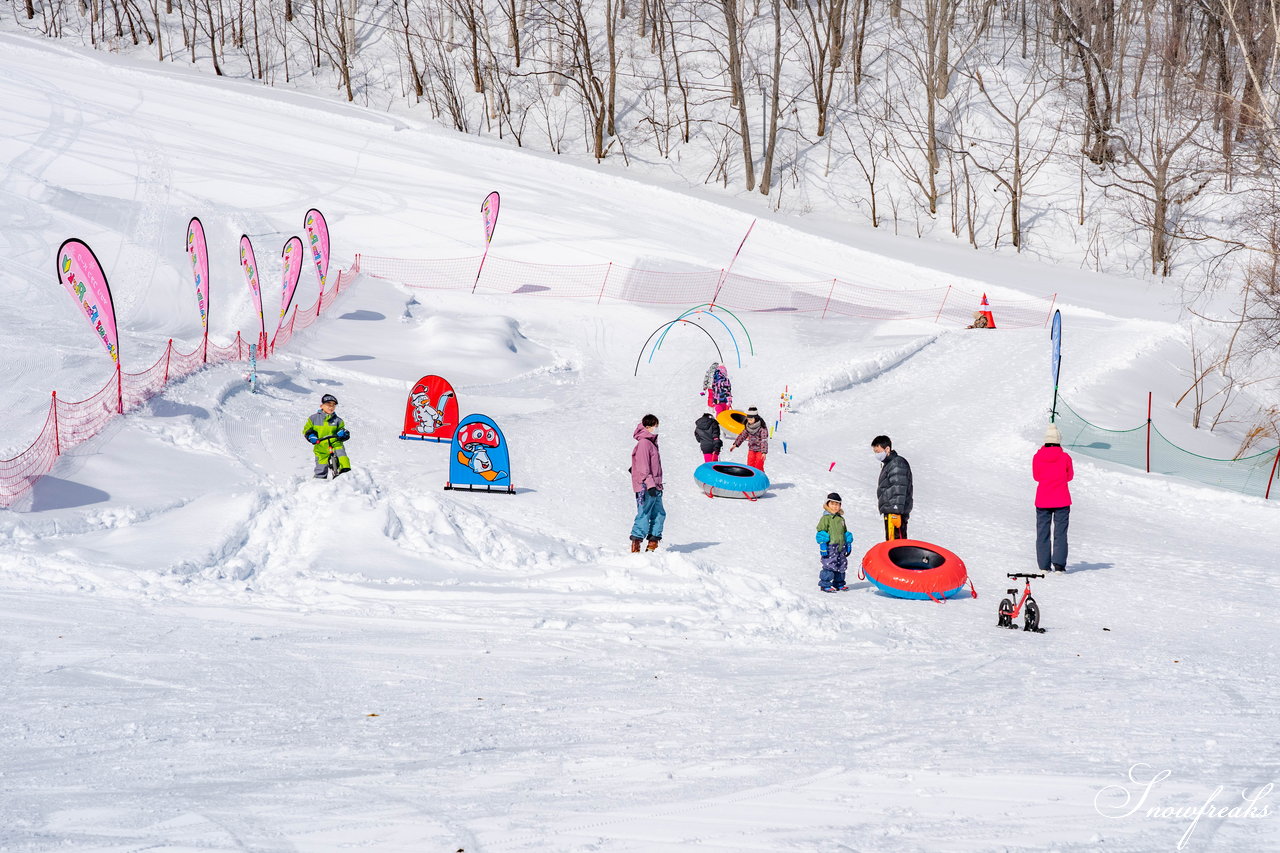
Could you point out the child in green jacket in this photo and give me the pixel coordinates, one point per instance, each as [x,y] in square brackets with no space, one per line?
[326,430]
[834,541]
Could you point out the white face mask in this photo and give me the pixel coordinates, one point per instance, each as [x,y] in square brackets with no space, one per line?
[652,429]
[882,455]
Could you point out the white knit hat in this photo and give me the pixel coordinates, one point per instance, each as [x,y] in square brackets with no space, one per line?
[1052,436]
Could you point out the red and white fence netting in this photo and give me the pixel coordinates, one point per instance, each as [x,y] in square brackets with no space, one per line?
[826,298]
[71,423]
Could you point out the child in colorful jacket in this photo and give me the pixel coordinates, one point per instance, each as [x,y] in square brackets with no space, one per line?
[834,542]
[325,424]
[756,435]
[719,389]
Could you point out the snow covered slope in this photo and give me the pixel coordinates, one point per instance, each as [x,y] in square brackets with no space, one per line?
[207,650]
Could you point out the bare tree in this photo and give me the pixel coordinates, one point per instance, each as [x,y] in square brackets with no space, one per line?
[733,38]
[582,69]
[1095,34]
[1014,161]
[1163,170]
[775,95]
[821,24]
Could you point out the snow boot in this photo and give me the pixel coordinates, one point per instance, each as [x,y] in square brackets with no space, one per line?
[1057,567]
[652,546]
[635,546]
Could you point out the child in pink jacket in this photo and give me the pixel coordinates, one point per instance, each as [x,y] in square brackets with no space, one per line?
[1052,470]
[646,484]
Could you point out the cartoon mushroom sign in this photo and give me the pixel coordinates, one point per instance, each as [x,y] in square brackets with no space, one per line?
[477,439]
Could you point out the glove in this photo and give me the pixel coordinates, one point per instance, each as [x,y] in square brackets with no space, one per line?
[343,435]
[823,538]
[824,549]
[654,491]
[313,438]
[848,540]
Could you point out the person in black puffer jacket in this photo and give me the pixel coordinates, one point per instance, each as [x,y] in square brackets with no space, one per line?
[894,491]
[707,431]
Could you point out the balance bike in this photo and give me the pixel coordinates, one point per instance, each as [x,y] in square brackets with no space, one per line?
[1008,612]
[334,469]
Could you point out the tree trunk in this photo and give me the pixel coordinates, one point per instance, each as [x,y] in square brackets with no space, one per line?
[729,7]
[771,142]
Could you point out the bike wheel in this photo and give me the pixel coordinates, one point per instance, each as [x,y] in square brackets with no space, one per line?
[1033,616]
[1005,621]
[334,470]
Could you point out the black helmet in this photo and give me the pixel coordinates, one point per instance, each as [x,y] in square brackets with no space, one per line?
[328,398]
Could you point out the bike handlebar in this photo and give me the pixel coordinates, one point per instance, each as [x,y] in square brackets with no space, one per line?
[1023,576]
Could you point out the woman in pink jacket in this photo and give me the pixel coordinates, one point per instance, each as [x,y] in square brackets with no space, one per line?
[1052,470]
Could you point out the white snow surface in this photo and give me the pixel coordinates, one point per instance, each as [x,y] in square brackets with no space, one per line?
[206,650]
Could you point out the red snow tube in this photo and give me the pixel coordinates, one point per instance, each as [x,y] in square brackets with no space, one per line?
[909,568]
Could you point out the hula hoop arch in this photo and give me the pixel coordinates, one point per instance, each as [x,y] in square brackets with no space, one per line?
[711,307]
[737,352]
[667,325]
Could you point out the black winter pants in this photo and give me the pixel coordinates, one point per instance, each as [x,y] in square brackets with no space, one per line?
[1059,518]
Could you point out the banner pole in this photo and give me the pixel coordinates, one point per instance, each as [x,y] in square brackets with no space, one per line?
[119,390]
[481,269]
[725,275]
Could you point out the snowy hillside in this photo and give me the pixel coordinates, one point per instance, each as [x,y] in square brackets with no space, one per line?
[205,649]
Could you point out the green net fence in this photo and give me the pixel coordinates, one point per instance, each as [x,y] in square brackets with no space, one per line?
[1251,475]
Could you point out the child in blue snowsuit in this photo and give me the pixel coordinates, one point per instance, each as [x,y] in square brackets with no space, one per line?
[834,542]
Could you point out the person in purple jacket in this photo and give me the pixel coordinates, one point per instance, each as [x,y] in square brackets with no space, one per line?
[1052,470]
[646,482]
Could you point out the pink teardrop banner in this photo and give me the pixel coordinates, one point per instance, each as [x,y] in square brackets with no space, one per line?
[291,258]
[318,242]
[489,211]
[198,253]
[250,266]
[82,276]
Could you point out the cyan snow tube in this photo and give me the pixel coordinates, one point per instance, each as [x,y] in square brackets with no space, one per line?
[730,480]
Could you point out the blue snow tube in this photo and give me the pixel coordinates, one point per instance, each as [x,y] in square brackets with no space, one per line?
[730,480]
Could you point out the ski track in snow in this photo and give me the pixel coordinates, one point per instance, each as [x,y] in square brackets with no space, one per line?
[207,650]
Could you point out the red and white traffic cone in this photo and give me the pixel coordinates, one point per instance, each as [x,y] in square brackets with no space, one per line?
[986,312]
